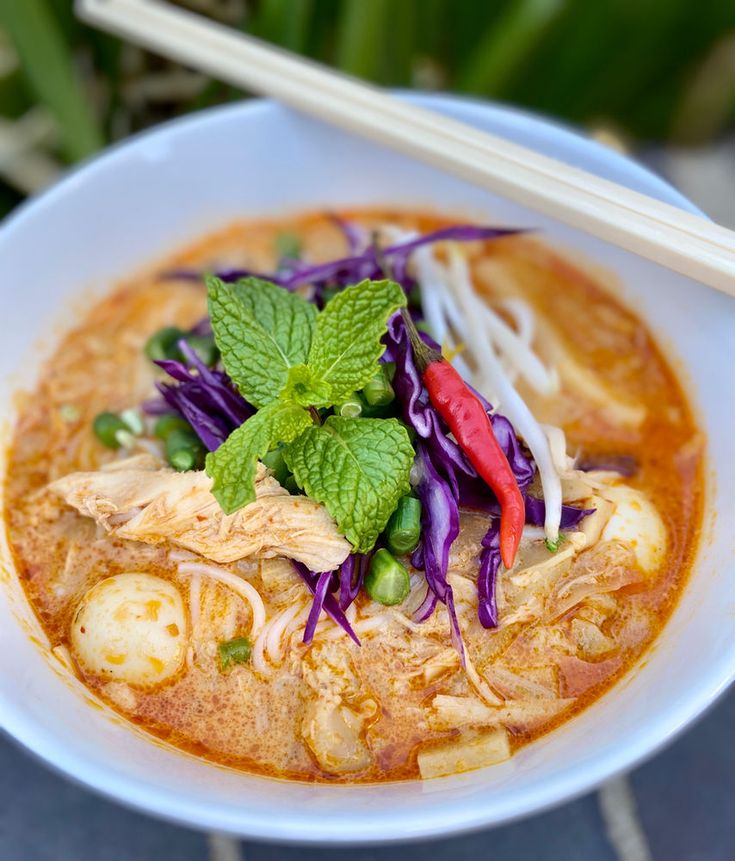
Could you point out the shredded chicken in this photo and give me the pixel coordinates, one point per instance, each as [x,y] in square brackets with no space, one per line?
[136,500]
[521,715]
[607,567]
[333,723]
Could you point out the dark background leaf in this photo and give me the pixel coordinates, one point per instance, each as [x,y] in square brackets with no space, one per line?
[656,70]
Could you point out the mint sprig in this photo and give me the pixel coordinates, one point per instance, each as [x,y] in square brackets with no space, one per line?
[358,468]
[346,344]
[261,330]
[232,465]
[304,387]
[291,362]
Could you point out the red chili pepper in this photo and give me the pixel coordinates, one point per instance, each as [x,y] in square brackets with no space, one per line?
[466,418]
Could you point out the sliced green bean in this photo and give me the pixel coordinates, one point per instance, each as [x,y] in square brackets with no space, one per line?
[107,427]
[163,344]
[168,423]
[184,450]
[404,527]
[387,580]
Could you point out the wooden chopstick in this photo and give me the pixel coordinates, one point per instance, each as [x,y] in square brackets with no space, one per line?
[658,231]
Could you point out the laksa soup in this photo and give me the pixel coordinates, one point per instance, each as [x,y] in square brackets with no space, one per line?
[357,498]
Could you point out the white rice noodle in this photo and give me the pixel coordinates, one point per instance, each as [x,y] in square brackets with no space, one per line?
[523,317]
[245,590]
[437,303]
[275,630]
[274,635]
[558,446]
[514,350]
[372,624]
[229,626]
[492,377]
[195,605]
[176,554]
[403,620]
[478,683]
[442,312]
[519,357]
[257,654]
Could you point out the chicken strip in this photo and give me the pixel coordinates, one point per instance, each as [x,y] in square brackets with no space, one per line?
[335,711]
[135,499]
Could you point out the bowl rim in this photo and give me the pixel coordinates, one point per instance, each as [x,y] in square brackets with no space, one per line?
[302,827]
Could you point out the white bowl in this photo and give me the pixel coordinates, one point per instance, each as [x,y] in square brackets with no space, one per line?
[159,190]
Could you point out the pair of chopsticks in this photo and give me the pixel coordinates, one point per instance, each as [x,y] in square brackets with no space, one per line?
[658,231]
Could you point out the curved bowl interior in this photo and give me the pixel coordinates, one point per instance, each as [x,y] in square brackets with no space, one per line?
[161,189]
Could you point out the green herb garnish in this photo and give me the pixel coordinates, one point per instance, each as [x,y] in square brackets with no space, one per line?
[261,331]
[233,465]
[358,468]
[290,361]
[233,652]
[553,546]
[346,345]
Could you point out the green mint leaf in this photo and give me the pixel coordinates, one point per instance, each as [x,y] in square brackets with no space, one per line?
[306,389]
[261,330]
[232,465]
[346,344]
[357,468]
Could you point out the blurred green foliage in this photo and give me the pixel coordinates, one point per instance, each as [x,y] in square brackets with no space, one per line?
[650,69]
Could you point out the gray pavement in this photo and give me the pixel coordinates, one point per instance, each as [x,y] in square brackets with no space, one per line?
[685,799]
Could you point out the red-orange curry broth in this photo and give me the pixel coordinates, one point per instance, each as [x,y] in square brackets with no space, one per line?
[256,723]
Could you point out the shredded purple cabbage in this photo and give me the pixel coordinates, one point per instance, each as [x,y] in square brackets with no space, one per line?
[205,398]
[157,407]
[570,516]
[354,235]
[320,593]
[351,576]
[203,328]
[427,607]
[327,601]
[357,266]
[439,528]
[449,481]
[232,274]
[487,608]
[348,579]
